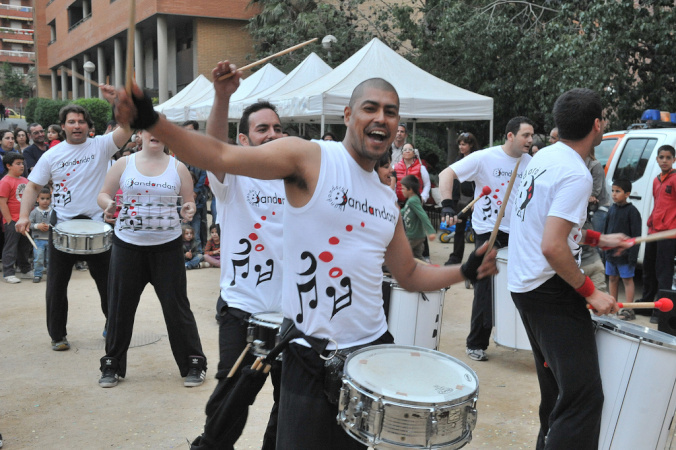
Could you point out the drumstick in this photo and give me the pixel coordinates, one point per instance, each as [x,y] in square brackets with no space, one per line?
[267,58]
[485,191]
[130,45]
[505,200]
[663,304]
[653,237]
[28,235]
[82,77]
[239,361]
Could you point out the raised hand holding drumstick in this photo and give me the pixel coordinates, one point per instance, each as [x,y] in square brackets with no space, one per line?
[449,215]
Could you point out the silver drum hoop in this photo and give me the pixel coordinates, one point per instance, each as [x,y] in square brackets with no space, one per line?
[263,332]
[82,237]
[396,396]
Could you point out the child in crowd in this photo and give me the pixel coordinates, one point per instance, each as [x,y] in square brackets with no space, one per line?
[39,218]
[55,135]
[17,246]
[416,222]
[623,217]
[191,249]
[658,261]
[212,251]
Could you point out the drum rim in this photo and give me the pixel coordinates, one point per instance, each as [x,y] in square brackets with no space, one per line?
[107,228]
[458,400]
[255,317]
[624,329]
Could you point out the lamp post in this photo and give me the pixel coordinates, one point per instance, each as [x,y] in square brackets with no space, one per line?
[327,42]
[89,67]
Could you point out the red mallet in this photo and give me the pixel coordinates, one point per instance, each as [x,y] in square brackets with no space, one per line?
[485,191]
[663,304]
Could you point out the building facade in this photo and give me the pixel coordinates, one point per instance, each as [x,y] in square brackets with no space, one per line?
[174,41]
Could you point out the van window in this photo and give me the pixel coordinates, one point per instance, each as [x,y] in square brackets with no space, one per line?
[603,150]
[634,158]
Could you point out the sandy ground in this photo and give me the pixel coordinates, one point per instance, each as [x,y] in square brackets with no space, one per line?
[52,399]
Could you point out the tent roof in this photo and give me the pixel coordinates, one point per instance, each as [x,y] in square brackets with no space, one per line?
[423,97]
[257,82]
[307,71]
[174,108]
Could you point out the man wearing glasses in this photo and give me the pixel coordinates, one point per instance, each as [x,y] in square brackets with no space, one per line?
[33,152]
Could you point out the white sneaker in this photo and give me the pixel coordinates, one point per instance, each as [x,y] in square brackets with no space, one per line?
[476,354]
[204,264]
[26,275]
[12,279]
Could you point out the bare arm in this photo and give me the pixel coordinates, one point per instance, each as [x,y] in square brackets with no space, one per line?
[217,124]
[4,209]
[555,249]
[111,184]
[30,194]
[446,179]
[188,209]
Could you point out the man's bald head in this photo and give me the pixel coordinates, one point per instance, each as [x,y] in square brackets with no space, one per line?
[377,83]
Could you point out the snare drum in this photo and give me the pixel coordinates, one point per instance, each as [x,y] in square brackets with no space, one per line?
[82,237]
[396,396]
[414,318]
[509,330]
[638,372]
[263,332]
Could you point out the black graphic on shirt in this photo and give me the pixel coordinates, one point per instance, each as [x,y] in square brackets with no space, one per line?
[526,194]
[241,263]
[309,287]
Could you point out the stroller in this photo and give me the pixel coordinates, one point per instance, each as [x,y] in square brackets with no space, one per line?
[448,232]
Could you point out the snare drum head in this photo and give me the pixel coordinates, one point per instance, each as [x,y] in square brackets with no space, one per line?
[268,317]
[411,374]
[83,226]
[633,331]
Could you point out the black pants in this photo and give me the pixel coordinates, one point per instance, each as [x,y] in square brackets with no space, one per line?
[482,307]
[307,421]
[658,267]
[561,333]
[132,268]
[59,272]
[232,334]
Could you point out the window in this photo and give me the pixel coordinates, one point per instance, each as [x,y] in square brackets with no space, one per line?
[603,150]
[52,31]
[78,12]
[634,158]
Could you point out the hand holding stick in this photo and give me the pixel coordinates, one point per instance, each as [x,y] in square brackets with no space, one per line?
[268,58]
[464,213]
[505,200]
[668,234]
[663,304]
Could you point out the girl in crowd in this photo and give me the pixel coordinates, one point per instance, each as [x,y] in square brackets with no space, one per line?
[212,251]
[147,248]
[416,222]
[55,135]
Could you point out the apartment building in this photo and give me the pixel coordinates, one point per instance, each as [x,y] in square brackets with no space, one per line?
[16,35]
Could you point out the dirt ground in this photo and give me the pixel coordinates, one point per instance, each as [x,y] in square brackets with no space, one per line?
[52,399]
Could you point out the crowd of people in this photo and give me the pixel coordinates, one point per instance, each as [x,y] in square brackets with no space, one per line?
[275,195]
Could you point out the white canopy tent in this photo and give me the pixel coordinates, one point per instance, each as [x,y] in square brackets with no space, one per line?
[250,86]
[423,97]
[198,90]
[312,68]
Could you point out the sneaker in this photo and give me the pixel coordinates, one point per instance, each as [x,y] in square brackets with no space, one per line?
[197,373]
[27,275]
[655,318]
[476,354]
[61,345]
[37,279]
[109,377]
[204,265]
[81,265]
[12,279]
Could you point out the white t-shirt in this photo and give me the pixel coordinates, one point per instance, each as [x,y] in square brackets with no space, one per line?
[78,172]
[250,213]
[556,183]
[491,167]
[334,249]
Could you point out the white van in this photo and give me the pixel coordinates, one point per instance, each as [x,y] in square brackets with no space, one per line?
[636,160]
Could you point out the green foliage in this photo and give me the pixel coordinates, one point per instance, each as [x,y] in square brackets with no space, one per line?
[99,110]
[47,111]
[13,85]
[31,106]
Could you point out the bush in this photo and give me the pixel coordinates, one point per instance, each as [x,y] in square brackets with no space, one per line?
[31,106]
[47,111]
[99,110]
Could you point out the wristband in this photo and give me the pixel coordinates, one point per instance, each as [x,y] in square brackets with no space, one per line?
[470,269]
[592,238]
[447,203]
[146,116]
[587,288]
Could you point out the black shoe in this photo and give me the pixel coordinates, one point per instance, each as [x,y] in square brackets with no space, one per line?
[196,373]
[109,377]
[655,318]
[452,260]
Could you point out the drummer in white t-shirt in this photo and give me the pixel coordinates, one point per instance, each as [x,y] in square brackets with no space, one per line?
[491,167]
[77,167]
[548,288]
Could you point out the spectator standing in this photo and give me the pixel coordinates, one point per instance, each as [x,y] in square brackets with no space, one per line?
[6,146]
[39,218]
[398,143]
[34,152]
[21,140]
[2,112]
[410,165]
[554,136]
[17,246]
[416,223]
[599,200]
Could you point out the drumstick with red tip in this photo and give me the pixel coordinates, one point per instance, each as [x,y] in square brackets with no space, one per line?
[484,192]
[669,234]
[663,304]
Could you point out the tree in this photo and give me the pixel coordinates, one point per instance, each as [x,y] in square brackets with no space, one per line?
[13,85]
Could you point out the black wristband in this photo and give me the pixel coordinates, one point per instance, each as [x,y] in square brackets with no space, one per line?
[146,116]
[447,203]
[471,267]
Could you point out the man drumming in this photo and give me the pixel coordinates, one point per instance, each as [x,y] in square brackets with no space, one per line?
[250,213]
[548,288]
[340,225]
[77,169]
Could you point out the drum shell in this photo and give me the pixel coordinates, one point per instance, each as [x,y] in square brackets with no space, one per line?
[70,240]
[414,318]
[638,373]
[263,335]
[509,330]
[376,420]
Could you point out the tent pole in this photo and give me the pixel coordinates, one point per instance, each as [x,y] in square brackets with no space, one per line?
[414,124]
[321,131]
[490,133]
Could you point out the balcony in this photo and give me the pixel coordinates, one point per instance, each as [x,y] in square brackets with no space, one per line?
[16,35]
[16,12]
[15,57]
[79,22]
